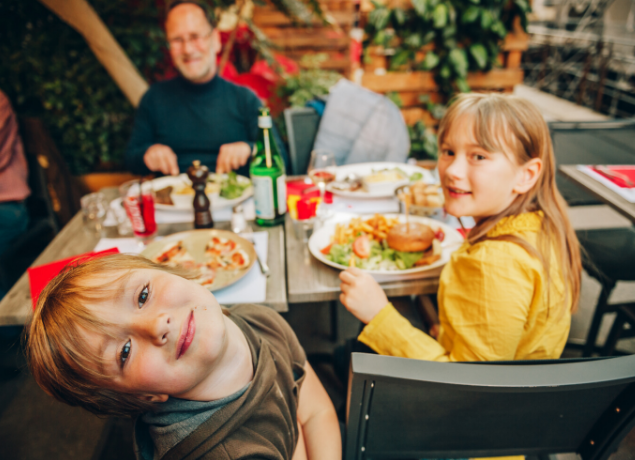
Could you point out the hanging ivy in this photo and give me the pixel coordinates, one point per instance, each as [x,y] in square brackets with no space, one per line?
[453,36]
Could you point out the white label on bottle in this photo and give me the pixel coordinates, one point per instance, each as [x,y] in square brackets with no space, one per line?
[263,196]
[281,183]
[265,122]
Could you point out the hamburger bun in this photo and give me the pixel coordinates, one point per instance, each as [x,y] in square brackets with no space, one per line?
[415,237]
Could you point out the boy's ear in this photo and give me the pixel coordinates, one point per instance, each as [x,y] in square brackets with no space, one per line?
[528,176]
[153,398]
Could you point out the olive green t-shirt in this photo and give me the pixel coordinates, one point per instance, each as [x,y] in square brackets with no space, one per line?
[262,422]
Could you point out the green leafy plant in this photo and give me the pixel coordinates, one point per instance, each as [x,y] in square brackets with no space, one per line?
[457,36]
[48,71]
[308,83]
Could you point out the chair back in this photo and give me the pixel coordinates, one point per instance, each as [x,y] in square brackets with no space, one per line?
[302,126]
[406,408]
[55,194]
[590,142]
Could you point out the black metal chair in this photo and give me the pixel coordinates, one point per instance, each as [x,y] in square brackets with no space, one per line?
[593,142]
[406,408]
[623,327]
[302,126]
[609,257]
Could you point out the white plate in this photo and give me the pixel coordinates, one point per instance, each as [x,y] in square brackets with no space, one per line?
[365,169]
[184,202]
[322,238]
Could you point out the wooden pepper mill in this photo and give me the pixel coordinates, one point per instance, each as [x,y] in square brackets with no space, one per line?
[202,215]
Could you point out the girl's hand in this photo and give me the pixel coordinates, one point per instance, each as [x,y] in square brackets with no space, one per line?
[361,294]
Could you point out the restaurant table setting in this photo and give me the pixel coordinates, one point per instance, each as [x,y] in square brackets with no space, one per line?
[362,192]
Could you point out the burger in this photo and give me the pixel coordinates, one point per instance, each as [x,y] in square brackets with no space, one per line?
[412,237]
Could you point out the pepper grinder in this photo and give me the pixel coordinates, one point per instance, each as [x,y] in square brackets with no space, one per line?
[202,215]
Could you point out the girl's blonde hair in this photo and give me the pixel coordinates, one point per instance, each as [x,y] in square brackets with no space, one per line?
[509,124]
[61,363]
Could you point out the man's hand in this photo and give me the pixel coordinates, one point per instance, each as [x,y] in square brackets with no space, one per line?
[161,158]
[361,294]
[232,156]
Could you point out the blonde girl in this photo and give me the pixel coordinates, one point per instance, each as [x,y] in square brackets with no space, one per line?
[509,291]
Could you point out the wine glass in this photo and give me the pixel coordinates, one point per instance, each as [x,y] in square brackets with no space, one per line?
[322,171]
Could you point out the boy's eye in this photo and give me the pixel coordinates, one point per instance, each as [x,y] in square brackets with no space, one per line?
[143,296]
[125,351]
[478,157]
[447,152]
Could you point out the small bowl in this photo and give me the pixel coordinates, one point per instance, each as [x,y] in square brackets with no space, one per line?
[416,210]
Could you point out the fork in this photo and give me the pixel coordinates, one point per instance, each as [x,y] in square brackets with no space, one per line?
[264,268]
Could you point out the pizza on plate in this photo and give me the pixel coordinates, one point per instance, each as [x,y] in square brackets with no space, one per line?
[224,254]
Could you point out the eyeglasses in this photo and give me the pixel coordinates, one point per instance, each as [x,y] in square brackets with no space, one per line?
[196,39]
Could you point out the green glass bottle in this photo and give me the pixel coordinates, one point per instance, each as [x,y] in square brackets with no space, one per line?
[268,175]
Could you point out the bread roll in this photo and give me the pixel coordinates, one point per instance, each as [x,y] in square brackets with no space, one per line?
[415,237]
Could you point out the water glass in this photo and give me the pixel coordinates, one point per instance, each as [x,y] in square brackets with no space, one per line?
[124,226]
[94,212]
[321,170]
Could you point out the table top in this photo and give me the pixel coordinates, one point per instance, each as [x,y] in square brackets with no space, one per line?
[72,240]
[309,280]
[605,194]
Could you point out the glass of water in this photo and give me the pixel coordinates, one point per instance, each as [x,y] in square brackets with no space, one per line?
[94,211]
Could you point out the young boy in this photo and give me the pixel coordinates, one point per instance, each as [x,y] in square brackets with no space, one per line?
[120,335]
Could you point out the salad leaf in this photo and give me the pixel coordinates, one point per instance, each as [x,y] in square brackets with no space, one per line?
[407,259]
[231,188]
[340,253]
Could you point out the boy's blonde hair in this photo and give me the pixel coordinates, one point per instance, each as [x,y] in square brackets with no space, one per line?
[506,123]
[59,360]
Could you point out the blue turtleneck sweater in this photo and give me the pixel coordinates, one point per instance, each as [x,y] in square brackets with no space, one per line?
[194,120]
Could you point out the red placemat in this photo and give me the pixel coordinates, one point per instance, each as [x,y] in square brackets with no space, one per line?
[40,276]
[622,176]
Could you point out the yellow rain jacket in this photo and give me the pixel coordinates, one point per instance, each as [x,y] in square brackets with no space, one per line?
[493,305]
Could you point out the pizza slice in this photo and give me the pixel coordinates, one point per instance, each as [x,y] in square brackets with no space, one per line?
[206,275]
[225,254]
[219,246]
[174,254]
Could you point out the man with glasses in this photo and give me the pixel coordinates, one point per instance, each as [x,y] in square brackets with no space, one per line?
[198,115]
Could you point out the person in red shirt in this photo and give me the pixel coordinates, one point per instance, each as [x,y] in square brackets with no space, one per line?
[14,189]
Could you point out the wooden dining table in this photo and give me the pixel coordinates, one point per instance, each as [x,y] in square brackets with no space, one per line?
[73,239]
[588,183]
[296,276]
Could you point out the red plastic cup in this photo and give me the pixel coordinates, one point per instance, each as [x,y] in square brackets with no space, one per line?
[138,201]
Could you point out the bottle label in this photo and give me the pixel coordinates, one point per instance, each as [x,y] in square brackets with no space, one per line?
[263,197]
[281,184]
[265,122]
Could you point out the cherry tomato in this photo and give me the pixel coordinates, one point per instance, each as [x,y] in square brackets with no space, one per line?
[361,247]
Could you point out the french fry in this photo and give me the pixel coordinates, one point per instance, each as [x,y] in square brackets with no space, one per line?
[367,228]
